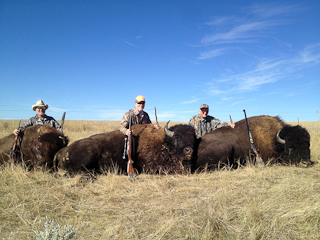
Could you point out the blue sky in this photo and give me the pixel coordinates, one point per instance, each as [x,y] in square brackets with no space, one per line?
[92,58]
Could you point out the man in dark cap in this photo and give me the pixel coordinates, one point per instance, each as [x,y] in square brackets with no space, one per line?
[204,123]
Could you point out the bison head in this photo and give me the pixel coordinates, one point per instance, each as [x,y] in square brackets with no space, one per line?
[293,144]
[181,141]
[40,144]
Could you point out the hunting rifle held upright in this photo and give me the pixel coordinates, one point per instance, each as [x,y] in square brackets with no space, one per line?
[258,157]
[130,161]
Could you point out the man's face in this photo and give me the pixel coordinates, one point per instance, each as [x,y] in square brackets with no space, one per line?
[204,112]
[139,106]
[41,111]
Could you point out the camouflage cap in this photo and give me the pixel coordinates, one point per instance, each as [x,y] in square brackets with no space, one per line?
[204,106]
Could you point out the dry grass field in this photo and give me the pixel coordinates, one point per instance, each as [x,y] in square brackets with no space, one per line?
[275,202]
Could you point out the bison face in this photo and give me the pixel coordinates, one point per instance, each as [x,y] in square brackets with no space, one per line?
[45,147]
[181,142]
[293,144]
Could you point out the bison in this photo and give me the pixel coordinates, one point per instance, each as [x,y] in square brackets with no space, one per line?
[156,150]
[272,137]
[38,144]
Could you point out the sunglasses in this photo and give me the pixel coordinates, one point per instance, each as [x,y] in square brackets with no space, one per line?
[43,108]
[141,103]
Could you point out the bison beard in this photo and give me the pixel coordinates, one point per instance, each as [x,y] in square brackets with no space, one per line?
[170,151]
[226,145]
[155,150]
[38,145]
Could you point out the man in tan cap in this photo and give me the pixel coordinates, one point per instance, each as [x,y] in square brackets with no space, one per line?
[138,116]
[40,118]
[204,123]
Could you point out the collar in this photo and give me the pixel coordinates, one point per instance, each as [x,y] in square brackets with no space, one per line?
[136,112]
[37,117]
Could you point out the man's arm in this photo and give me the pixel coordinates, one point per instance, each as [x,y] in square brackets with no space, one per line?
[146,120]
[28,123]
[192,121]
[124,123]
[57,126]
[216,123]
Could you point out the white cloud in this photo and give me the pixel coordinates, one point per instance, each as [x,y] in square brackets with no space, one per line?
[267,71]
[310,53]
[241,33]
[194,100]
[129,43]
[212,53]
[55,109]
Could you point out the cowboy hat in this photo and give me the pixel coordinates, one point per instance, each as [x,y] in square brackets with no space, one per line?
[39,103]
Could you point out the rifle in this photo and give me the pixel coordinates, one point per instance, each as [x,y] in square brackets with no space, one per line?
[14,150]
[258,157]
[155,112]
[230,119]
[62,120]
[130,170]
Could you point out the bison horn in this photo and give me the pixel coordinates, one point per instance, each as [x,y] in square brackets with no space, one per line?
[279,139]
[64,140]
[167,131]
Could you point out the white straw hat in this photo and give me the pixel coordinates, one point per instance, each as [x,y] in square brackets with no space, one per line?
[39,103]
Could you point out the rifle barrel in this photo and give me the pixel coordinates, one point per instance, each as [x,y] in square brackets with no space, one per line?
[62,120]
[155,112]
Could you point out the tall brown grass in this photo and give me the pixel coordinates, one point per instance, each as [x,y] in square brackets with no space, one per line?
[276,202]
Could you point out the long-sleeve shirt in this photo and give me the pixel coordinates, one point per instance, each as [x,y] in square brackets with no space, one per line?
[142,118]
[203,126]
[37,121]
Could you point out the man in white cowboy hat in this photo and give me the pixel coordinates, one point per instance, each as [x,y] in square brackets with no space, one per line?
[138,116]
[40,118]
[204,123]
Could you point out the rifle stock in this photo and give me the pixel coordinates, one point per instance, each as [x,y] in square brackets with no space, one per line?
[258,157]
[130,169]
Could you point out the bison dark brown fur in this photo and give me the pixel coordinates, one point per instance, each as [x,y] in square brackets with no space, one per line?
[226,145]
[38,144]
[155,150]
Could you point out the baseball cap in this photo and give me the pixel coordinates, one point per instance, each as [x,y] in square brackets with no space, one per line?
[140,98]
[204,106]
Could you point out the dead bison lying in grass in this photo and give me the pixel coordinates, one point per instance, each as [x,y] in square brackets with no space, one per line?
[38,144]
[156,150]
[272,137]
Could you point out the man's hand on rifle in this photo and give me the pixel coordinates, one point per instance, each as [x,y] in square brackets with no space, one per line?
[127,132]
[156,126]
[16,132]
